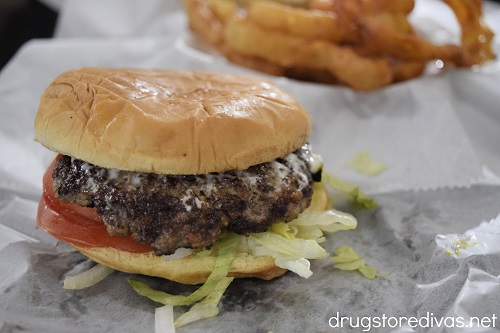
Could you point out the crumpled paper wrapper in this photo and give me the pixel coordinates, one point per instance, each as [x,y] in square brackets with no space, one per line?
[403,236]
[438,136]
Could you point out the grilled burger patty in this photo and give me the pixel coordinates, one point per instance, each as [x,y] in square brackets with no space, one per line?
[173,211]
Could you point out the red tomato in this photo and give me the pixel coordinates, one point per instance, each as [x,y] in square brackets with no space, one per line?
[78,225]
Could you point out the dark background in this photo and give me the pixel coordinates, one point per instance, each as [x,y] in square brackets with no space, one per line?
[20,21]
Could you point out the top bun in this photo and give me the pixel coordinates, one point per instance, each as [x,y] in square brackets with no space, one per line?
[169,122]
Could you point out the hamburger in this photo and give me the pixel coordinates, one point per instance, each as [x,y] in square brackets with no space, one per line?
[151,163]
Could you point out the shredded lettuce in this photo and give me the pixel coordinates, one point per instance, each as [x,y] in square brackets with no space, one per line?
[88,278]
[164,319]
[291,254]
[226,252]
[292,244]
[283,229]
[330,220]
[356,196]
[300,266]
[208,295]
[347,259]
[178,254]
[207,307]
[269,244]
[364,163]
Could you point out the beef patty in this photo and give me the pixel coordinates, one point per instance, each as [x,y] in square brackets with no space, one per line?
[173,211]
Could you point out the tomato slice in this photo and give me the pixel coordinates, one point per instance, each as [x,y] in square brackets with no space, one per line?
[78,225]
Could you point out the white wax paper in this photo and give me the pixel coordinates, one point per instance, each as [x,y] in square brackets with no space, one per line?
[438,134]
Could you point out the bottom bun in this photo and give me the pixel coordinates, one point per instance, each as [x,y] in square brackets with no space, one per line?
[192,269]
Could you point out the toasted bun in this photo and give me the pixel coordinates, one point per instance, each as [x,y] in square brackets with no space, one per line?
[169,122]
[193,269]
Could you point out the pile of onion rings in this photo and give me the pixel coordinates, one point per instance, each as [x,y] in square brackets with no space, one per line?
[363,44]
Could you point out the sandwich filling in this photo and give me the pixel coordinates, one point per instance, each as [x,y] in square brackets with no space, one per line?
[169,212]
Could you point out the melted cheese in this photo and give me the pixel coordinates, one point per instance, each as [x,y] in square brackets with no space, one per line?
[297,166]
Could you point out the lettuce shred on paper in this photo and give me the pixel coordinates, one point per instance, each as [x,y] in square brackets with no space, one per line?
[363,162]
[347,259]
[357,197]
